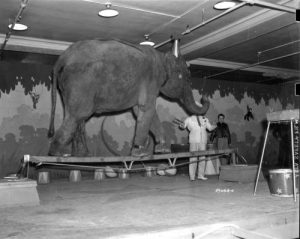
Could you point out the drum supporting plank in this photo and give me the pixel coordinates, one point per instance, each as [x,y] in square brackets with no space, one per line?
[279,117]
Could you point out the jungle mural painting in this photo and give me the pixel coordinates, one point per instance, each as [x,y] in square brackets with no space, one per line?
[24,123]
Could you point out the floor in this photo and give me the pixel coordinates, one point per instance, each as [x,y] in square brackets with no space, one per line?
[148,207]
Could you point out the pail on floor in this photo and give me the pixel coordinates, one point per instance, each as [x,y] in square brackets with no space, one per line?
[99,174]
[150,171]
[123,173]
[281,182]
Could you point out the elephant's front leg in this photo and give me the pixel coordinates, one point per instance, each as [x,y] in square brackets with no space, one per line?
[79,146]
[158,131]
[144,118]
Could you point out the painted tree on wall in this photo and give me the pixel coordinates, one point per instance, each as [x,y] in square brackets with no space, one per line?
[25,73]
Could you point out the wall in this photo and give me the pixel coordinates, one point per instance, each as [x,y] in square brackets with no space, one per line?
[233,98]
[25,109]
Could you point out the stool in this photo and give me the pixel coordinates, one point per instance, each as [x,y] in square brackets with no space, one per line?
[43,177]
[99,174]
[75,176]
[289,116]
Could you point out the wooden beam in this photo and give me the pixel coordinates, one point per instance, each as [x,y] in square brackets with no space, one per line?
[110,159]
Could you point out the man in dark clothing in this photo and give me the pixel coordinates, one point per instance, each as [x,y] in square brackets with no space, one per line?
[222,136]
[222,131]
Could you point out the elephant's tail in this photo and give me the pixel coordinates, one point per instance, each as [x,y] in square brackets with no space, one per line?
[53,100]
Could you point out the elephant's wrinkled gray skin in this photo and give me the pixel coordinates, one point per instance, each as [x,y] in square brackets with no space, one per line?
[96,76]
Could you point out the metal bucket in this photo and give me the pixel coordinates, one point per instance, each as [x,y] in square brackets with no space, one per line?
[75,176]
[99,174]
[123,173]
[281,182]
[43,178]
[150,171]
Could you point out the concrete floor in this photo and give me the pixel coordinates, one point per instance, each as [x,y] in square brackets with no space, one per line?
[143,207]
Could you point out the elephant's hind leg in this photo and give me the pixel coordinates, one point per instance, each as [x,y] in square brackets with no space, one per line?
[62,137]
[79,146]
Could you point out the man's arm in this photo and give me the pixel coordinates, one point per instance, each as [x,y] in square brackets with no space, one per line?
[228,134]
[213,135]
[209,126]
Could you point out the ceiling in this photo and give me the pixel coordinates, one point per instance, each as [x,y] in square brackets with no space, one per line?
[258,42]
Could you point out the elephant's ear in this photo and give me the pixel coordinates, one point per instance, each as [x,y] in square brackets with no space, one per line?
[175,48]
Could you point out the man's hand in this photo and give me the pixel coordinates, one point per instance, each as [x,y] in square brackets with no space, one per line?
[179,122]
[181,126]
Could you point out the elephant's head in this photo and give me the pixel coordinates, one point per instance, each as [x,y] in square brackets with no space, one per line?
[178,85]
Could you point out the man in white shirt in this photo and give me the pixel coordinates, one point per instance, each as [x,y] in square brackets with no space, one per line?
[197,126]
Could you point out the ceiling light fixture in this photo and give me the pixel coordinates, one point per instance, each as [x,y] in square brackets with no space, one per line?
[18,27]
[147,41]
[224,5]
[108,12]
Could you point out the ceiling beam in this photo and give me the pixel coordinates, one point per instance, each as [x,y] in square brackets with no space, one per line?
[35,45]
[233,29]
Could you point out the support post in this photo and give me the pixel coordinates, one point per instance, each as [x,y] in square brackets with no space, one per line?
[261,158]
[293,161]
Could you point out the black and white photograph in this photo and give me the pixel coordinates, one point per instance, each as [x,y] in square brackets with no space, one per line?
[145,119]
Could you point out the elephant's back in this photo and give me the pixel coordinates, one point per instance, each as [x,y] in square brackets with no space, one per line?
[88,51]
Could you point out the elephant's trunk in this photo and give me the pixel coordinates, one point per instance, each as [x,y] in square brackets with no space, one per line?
[192,106]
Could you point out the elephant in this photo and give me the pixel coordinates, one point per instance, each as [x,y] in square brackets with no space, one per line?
[103,76]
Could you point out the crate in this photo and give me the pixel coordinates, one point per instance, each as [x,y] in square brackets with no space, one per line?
[239,173]
[18,192]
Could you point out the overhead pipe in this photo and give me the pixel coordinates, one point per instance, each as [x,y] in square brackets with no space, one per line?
[189,30]
[270,5]
[276,47]
[17,19]
[252,65]
[176,18]
[249,39]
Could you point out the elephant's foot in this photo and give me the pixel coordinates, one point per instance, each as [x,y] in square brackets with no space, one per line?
[57,150]
[80,152]
[58,153]
[162,148]
[139,151]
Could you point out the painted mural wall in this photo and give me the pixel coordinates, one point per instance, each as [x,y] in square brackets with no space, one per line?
[25,111]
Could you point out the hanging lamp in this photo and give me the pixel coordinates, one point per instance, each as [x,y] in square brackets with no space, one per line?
[108,11]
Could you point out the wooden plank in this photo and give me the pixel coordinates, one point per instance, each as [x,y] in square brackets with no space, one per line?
[110,159]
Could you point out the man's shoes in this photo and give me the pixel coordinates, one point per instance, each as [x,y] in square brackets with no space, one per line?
[202,178]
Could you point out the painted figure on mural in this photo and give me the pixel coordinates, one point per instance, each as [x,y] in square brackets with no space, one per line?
[197,126]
